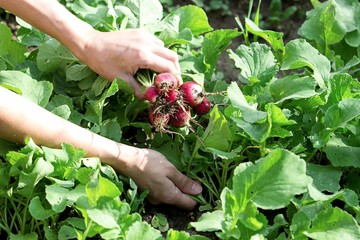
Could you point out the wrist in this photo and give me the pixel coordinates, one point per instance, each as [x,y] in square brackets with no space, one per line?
[123,158]
[77,39]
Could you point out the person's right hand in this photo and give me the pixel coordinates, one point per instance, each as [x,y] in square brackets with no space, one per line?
[151,170]
[122,53]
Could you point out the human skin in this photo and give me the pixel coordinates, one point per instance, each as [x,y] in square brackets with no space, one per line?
[115,53]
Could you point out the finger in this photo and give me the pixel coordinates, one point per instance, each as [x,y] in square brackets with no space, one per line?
[185,184]
[133,83]
[167,54]
[172,57]
[181,200]
[160,65]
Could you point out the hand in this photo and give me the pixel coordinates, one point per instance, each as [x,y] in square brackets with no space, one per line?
[151,170]
[122,53]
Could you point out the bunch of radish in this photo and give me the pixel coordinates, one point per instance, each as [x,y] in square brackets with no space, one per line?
[171,104]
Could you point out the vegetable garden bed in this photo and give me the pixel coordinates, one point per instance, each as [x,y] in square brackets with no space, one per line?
[277,155]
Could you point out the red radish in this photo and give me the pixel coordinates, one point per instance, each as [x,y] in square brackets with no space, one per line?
[193,93]
[172,95]
[151,94]
[180,118]
[159,120]
[203,108]
[165,81]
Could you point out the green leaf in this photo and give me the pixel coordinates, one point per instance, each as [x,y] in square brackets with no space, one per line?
[301,220]
[103,19]
[337,116]
[29,35]
[256,131]
[101,187]
[28,180]
[66,105]
[189,16]
[20,236]
[99,85]
[57,197]
[341,87]
[278,116]
[238,100]
[182,235]
[299,53]
[325,178]
[292,87]
[38,92]
[333,20]
[53,55]
[66,161]
[108,213]
[252,219]
[209,222]
[272,182]
[38,211]
[217,134]
[334,224]
[214,44]
[148,12]
[12,53]
[111,129]
[273,38]
[140,229]
[342,155]
[256,62]
[78,72]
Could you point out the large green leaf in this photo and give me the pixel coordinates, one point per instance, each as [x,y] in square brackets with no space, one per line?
[292,87]
[341,154]
[191,17]
[38,92]
[333,20]
[101,187]
[53,55]
[334,224]
[214,44]
[275,39]
[148,12]
[299,54]
[340,114]
[256,62]
[12,53]
[272,182]
[217,134]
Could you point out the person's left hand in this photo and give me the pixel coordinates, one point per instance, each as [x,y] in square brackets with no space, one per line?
[120,54]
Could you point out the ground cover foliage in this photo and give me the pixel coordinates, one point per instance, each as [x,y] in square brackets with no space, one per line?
[278,154]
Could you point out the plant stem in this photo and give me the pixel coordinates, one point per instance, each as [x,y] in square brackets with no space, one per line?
[16,217]
[86,232]
[24,223]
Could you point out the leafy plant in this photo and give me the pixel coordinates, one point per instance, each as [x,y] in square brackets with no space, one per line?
[214,5]
[277,155]
[278,14]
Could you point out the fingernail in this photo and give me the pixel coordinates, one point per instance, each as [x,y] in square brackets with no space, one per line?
[196,187]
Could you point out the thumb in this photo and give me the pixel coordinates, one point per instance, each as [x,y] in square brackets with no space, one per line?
[185,184]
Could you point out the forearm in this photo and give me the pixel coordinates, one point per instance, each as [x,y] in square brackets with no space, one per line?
[21,118]
[53,19]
